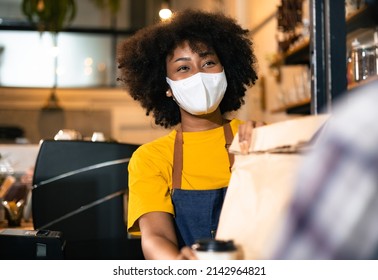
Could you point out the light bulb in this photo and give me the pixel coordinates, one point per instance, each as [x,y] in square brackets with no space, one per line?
[165,13]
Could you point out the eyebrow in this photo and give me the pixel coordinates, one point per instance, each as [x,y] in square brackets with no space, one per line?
[201,54]
[206,53]
[182,59]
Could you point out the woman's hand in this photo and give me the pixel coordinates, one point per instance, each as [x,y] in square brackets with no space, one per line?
[187,253]
[245,134]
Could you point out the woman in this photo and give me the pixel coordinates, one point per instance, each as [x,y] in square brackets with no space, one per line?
[189,72]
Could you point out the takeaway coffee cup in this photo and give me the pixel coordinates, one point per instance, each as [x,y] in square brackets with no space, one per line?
[212,249]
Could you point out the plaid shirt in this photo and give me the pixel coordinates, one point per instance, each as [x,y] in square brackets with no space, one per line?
[334,213]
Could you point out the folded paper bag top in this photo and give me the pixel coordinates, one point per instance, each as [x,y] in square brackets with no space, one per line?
[288,133]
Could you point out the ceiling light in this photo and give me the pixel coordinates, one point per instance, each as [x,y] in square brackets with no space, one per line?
[165,12]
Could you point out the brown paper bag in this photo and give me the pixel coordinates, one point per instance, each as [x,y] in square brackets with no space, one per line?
[261,185]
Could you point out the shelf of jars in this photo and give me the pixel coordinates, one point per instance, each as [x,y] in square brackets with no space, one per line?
[299,52]
[357,21]
[362,46]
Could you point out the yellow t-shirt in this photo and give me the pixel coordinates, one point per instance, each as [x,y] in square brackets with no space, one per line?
[205,166]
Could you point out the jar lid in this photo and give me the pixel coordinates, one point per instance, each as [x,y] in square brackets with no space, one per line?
[214,245]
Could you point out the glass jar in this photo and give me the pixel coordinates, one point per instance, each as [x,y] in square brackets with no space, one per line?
[6,170]
[364,62]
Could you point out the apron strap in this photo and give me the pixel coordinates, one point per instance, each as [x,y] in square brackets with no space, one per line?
[177,160]
[178,154]
[229,137]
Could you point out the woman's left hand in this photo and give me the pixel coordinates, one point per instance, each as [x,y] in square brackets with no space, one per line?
[245,134]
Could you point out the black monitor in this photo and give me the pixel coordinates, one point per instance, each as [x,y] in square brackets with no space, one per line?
[79,189]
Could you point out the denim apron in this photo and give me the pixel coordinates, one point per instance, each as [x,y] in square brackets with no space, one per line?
[196,211]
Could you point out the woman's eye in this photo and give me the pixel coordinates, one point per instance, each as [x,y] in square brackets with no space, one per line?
[209,63]
[183,68]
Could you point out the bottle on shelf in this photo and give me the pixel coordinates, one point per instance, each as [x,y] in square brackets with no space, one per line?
[362,62]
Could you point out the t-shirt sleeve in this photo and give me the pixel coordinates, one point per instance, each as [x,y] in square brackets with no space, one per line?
[149,179]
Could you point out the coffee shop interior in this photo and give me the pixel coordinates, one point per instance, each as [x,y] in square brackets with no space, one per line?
[62,85]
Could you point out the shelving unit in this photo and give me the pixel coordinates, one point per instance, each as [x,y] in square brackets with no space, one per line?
[324,53]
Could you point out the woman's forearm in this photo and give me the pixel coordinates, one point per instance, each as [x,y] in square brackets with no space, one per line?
[159,248]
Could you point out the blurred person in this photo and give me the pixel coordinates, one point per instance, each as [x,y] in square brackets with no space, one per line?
[334,208]
[189,72]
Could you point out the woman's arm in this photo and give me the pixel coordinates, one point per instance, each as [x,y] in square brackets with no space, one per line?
[158,236]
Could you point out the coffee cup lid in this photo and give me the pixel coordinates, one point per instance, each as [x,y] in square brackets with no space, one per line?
[214,245]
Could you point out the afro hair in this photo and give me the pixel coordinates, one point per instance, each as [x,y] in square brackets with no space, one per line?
[141,60]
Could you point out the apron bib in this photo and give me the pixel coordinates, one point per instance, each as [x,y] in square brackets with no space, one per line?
[196,211]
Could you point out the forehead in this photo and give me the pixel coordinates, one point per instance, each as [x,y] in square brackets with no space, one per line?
[185,46]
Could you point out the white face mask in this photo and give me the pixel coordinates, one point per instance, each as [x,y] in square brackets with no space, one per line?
[201,93]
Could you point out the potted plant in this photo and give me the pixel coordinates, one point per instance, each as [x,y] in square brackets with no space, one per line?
[50,16]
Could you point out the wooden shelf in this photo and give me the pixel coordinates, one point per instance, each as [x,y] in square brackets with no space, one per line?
[361,83]
[294,107]
[304,106]
[363,18]
[24,225]
[298,54]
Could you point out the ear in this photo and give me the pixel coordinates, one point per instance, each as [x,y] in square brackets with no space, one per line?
[168,93]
